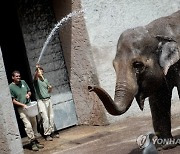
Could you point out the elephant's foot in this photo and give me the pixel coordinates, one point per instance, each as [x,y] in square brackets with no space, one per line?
[166,147]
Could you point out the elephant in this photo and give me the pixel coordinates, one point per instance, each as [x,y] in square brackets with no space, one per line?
[147,65]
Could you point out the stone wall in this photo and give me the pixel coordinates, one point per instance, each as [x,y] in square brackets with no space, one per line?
[10,139]
[37,20]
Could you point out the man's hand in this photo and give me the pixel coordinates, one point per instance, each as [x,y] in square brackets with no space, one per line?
[24,106]
[28,95]
[37,65]
[49,88]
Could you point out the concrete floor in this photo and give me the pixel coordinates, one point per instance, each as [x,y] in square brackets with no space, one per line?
[117,138]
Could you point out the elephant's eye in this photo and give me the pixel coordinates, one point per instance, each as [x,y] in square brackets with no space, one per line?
[139,66]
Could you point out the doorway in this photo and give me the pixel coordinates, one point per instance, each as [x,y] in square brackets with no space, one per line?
[13,50]
[15,57]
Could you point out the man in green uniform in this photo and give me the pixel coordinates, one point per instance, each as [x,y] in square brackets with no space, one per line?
[43,90]
[20,93]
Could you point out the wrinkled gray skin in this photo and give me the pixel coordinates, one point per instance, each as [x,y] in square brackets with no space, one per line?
[147,65]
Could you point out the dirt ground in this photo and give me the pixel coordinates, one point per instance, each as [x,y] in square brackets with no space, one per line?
[117,138]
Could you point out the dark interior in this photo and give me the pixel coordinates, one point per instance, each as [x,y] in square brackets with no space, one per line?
[13,49]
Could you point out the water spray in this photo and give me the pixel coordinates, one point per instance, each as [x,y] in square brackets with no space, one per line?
[57,26]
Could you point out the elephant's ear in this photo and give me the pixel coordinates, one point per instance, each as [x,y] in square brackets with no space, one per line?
[162,38]
[170,54]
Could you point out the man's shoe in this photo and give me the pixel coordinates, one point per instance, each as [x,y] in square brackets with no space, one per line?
[48,138]
[34,146]
[55,135]
[39,145]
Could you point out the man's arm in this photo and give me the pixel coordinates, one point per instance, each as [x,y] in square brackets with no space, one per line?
[15,102]
[48,86]
[36,75]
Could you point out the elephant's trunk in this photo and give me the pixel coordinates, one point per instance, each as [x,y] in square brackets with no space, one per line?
[121,103]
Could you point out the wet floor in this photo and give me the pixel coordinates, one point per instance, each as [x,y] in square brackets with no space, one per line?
[117,138]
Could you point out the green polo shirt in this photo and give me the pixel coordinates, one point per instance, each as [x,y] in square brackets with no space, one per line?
[41,88]
[19,91]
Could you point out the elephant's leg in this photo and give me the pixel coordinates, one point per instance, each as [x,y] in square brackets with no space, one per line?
[160,104]
[161,115]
